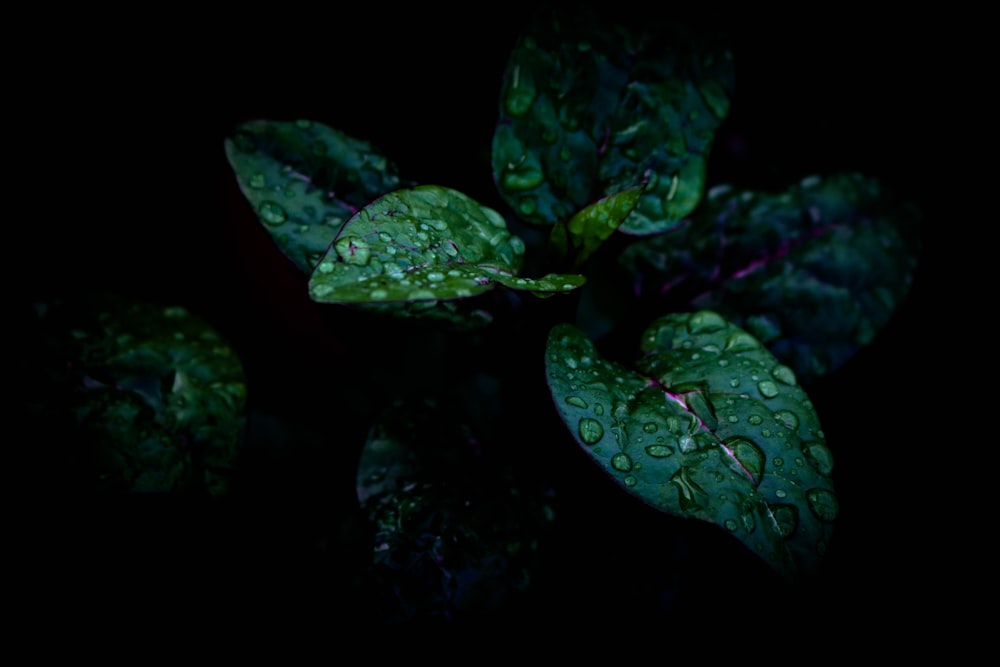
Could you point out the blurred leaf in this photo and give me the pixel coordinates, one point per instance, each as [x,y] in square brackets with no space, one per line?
[593,105]
[158,395]
[708,426]
[304,180]
[454,533]
[813,272]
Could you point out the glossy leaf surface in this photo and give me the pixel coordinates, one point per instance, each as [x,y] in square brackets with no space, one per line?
[454,532]
[813,272]
[591,106]
[304,180]
[707,425]
[424,243]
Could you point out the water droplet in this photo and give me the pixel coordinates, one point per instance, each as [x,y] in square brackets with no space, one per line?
[778,461]
[781,493]
[378,294]
[749,456]
[820,456]
[784,374]
[749,522]
[767,388]
[258,181]
[823,504]
[321,290]
[659,451]
[690,495]
[705,321]
[741,341]
[731,525]
[786,517]
[788,418]
[687,444]
[621,462]
[435,276]
[650,427]
[576,401]
[272,213]
[353,250]
[590,430]
[598,409]
[630,480]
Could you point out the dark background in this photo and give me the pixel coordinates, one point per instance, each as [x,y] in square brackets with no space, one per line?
[141,118]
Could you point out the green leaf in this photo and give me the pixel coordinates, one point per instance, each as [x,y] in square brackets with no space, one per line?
[589,228]
[304,180]
[593,105]
[814,272]
[710,426]
[454,532]
[426,243]
[155,391]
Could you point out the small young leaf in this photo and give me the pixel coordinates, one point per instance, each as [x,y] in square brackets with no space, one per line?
[589,228]
[813,272]
[591,106]
[708,426]
[304,180]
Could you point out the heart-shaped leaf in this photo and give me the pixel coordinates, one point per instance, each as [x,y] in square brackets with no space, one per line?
[426,243]
[592,105]
[304,180]
[709,425]
[813,272]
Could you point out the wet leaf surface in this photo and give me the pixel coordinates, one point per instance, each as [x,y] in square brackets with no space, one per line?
[304,180]
[708,425]
[590,107]
[814,272]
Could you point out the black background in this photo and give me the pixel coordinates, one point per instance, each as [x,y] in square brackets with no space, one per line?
[140,117]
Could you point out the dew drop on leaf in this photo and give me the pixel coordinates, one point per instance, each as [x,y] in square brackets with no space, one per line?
[576,401]
[767,388]
[590,430]
[272,213]
[621,462]
[823,504]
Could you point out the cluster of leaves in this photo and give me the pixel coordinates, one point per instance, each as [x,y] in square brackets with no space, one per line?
[606,237]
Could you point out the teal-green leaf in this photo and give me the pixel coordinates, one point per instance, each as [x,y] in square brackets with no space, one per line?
[814,271]
[304,180]
[707,425]
[427,243]
[591,105]
[423,243]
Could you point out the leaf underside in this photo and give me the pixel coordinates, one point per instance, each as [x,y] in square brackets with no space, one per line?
[709,425]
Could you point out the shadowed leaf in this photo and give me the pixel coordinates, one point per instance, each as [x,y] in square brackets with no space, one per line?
[304,180]
[813,272]
[454,533]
